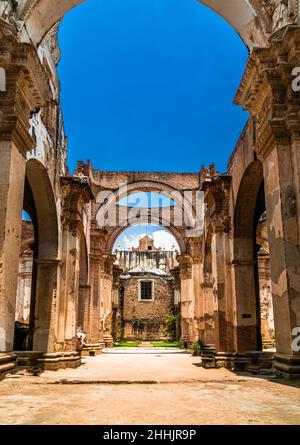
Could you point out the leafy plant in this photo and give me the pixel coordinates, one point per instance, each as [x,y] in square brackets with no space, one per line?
[170,327]
[182,344]
[197,347]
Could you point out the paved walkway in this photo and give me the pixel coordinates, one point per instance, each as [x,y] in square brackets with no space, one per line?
[147,387]
[139,365]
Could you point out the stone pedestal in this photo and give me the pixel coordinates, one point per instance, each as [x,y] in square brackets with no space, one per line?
[208,357]
[108,340]
[91,350]
[8,363]
[59,360]
[288,365]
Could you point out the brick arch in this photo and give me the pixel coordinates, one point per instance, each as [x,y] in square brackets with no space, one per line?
[113,197]
[246,200]
[44,274]
[245,259]
[40,16]
[45,208]
[173,231]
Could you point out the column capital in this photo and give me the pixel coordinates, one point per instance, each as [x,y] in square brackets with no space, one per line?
[75,194]
[216,195]
[194,246]
[106,262]
[185,264]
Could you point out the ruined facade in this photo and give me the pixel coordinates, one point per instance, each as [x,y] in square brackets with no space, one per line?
[145,292]
[217,279]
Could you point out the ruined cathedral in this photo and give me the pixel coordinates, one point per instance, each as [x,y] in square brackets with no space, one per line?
[233,284]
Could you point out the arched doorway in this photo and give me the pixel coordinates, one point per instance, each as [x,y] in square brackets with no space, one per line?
[251,263]
[40,205]
[145,297]
[26,274]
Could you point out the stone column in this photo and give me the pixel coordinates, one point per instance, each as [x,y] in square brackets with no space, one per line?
[24,287]
[196,306]
[116,316]
[268,90]
[282,173]
[21,95]
[208,336]
[84,307]
[106,310]
[12,176]
[75,194]
[221,274]
[187,295]
[94,339]
[44,337]
[217,189]
[177,299]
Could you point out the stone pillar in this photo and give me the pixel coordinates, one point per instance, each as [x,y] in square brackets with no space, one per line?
[116,316]
[12,177]
[94,339]
[76,193]
[177,299]
[93,333]
[266,301]
[187,295]
[106,309]
[268,91]
[196,306]
[84,307]
[19,98]
[24,287]
[282,173]
[217,189]
[224,308]
[45,308]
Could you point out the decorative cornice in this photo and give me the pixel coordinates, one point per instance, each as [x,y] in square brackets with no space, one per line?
[74,195]
[27,88]
[25,8]
[266,91]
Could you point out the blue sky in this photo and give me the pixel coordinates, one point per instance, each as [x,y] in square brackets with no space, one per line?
[148,85]
[161,236]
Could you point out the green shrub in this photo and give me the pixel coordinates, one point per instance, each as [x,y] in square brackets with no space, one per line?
[170,327]
[197,347]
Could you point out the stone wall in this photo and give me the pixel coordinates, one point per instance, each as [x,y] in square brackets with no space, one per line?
[145,320]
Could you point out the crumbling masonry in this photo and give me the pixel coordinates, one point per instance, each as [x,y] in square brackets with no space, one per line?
[251,239]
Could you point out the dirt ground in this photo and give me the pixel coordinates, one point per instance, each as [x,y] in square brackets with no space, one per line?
[153,388]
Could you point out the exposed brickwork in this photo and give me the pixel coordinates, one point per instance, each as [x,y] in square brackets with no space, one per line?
[146,319]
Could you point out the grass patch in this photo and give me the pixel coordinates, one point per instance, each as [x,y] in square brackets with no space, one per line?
[163,344]
[127,344]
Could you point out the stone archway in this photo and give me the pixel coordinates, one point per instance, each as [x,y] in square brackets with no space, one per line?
[245,259]
[252,20]
[156,221]
[44,284]
[45,206]
[186,210]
